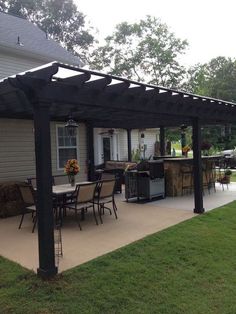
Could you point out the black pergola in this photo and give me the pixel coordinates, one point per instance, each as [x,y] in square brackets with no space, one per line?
[54,91]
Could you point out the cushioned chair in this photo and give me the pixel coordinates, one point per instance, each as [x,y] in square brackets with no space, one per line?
[28,198]
[82,200]
[32,182]
[105,196]
[60,179]
[116,174]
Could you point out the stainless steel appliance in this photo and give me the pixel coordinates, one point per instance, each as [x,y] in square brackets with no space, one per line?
[148,181]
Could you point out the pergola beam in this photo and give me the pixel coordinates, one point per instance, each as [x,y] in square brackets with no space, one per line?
[124,102]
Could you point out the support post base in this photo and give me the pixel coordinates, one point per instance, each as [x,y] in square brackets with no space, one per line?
[47,274]
[199,210]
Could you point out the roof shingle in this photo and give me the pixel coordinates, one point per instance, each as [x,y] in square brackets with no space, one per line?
[33,40]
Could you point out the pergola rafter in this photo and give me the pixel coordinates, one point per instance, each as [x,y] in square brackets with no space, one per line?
[113,97]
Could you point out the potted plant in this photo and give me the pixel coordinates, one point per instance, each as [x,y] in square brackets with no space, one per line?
[185,150]
[205,147]
[225,178]
[228,173]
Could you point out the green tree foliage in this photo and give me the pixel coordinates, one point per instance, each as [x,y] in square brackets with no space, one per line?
[145,51]
[214,79]
[59,18]
[217,79]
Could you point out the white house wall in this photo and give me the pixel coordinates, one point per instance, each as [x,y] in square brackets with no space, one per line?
[99,133]
[17,157]
[123,145]
[150,137]
[12,64]
[97,147]
[120,146]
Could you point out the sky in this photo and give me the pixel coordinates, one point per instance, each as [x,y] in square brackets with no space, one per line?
[208,25]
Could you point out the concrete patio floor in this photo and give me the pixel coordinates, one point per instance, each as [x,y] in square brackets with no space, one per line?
[134,222]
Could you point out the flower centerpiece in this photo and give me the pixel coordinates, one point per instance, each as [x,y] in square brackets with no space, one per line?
[71,169]
[185,150]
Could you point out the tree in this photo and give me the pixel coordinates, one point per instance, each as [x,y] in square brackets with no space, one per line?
[58,18]
[217,79]
[145,51]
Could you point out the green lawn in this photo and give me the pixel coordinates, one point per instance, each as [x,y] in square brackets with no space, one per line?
[188,268]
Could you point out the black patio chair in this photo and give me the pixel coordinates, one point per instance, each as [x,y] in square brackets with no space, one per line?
[28,198]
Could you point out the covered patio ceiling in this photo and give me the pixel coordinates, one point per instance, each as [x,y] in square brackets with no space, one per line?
[106,100]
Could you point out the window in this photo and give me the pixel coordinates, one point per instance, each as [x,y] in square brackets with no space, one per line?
[66,146]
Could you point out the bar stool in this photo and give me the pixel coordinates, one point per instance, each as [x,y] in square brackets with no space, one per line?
[186,179]
[220,176]
[211,175]
[221,168]
[205,181]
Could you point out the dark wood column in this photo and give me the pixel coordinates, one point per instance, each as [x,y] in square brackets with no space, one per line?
[197,167]
[183,137]
[162,141]
[129,144]
[90,152]
[44,203]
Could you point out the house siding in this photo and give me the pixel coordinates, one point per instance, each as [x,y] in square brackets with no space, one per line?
[123,145]
[149,140]
[120,145]
[12,64]
[17,157]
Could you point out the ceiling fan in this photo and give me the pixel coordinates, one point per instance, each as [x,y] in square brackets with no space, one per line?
[108,132]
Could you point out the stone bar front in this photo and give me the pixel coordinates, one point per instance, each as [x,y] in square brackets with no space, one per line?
[179,174]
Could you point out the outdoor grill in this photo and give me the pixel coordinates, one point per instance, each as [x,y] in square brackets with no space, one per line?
[147,181]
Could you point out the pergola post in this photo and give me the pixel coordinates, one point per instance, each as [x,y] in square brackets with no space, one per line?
[162,140]
[183,137]
[197,167]
[44,204]
[90,152]
[129,145]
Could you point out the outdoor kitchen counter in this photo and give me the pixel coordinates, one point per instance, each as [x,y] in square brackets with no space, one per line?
[174,168]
